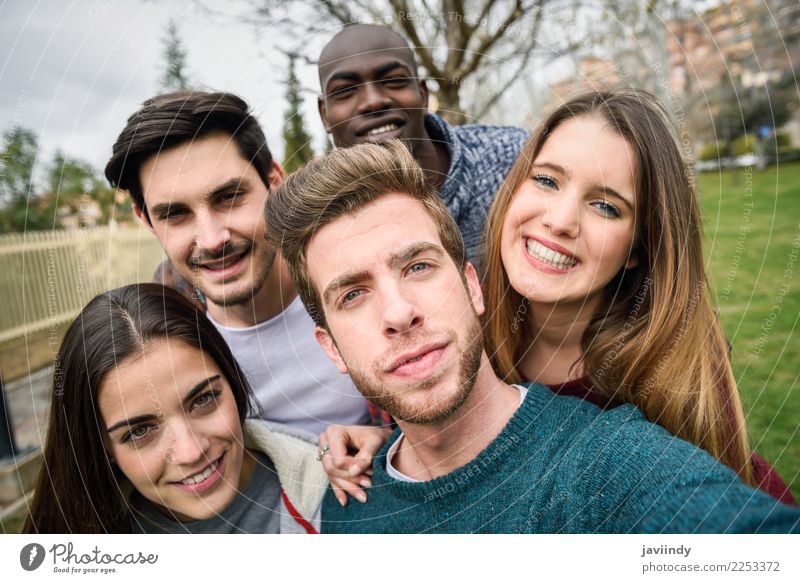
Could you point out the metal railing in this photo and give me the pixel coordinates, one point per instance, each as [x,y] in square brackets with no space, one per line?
[47,277]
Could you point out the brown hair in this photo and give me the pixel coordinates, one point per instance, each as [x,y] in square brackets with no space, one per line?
[338,184]
[171,119]
[78,489]
[656,341]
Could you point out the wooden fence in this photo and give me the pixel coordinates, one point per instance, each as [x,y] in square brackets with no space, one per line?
[47,277]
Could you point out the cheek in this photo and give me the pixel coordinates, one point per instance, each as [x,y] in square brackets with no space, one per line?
[614,247]
[176,240]
[142,467]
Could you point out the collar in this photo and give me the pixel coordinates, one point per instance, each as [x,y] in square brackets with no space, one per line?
[442,132]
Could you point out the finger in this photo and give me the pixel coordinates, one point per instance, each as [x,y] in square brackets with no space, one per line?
[338,441]
[351,488]
[340,495]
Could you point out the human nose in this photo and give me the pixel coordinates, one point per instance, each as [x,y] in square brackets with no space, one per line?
[186,447]
[561,215]
[212,233]
[374,98]
[400,313]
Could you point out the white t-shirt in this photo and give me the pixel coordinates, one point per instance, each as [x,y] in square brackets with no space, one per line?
[400,476]
[292,378]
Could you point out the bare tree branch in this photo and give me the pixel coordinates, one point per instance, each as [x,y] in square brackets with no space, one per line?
[478,54]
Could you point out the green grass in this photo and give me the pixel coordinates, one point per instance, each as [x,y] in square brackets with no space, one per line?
[752,237]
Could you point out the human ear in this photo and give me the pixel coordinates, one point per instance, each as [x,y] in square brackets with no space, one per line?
[323,114]
[328,345]
[423,91]
[474,288]
[143,217]
[276,175]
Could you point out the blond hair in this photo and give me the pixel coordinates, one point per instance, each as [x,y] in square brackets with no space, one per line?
[337,185]
[656,341]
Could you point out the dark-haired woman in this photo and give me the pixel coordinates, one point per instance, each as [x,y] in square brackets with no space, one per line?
[148,434]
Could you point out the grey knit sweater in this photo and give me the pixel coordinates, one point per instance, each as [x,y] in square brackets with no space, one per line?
[480,158]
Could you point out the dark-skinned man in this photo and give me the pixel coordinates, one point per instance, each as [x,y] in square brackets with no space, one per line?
[372,92]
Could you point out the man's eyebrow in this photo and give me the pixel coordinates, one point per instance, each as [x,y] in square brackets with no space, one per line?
[407,254]
[189,396]
[383,69]
[377,73]
[342,76]
[344,281]
[232,184]
[403,256]
[227,186]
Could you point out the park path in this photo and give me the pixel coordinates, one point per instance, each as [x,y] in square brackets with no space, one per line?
[28,402]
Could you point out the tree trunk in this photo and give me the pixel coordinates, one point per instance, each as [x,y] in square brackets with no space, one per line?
[449,103]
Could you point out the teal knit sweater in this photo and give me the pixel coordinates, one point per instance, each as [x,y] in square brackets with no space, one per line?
[562,465]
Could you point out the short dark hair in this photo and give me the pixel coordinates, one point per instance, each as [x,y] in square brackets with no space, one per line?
[171,119]
[339,184]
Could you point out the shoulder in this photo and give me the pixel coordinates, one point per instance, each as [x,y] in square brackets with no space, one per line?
[492,137]
[294,454]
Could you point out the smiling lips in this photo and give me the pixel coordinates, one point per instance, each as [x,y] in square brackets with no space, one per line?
[224,267]
[548,256]
[204,480]
[387,130]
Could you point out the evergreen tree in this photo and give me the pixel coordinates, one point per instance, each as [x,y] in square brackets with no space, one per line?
[296,140]
[175,77]
[17,190]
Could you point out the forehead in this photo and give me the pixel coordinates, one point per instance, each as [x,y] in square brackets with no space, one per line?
[154,378]
[191,169]
[365,239]
[361,52]
[588,146]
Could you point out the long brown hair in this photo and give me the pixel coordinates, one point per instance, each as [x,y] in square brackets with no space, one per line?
[655,341]
[79,490]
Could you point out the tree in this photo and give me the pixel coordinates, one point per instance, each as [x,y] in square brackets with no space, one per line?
[175,77]
[456,44]
[296,140]
[18,158]
[72,184]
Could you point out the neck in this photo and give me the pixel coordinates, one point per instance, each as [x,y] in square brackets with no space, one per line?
[434,160]
[558,331]
[430,451]
[271,299]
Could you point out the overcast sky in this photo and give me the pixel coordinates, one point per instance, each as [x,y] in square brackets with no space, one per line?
[73,71]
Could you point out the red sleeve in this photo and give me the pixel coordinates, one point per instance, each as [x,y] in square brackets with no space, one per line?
[769,481]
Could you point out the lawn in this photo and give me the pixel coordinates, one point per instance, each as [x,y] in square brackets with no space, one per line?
[752,236]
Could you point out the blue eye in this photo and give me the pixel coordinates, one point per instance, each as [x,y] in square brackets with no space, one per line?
[545,181]
[351,296]
[418,267]
[607,209]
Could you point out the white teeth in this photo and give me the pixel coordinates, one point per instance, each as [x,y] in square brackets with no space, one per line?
[554,258]
[386,128]
[202,476]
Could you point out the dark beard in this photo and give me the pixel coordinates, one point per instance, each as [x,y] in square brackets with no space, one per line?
[468,364]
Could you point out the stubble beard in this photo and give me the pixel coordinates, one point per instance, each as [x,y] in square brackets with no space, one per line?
[433,412]
[227,299]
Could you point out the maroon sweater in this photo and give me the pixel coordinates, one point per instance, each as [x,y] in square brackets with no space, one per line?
[768,479]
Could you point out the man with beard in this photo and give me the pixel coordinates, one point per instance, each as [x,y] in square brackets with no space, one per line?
[380,266]
[199,171]
[372,93]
